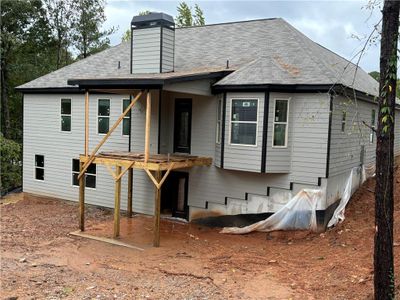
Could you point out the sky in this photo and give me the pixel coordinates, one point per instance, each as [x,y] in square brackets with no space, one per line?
[341,26]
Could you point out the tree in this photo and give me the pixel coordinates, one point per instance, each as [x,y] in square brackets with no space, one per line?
[87,36]
[198,16]
[24,31]
[375,75]
[184,17]
[383,252]
[61,19]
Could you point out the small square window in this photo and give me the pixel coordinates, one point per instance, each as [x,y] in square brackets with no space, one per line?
[39,167]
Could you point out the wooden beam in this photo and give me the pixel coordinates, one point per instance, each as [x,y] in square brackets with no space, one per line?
[86,123]
[82,200]
[104,139]
[124,171]
[156,238]
[111,171]
[147,132]
[117,204]
[130,188]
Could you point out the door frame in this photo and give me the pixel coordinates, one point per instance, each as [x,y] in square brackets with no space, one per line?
[177,102]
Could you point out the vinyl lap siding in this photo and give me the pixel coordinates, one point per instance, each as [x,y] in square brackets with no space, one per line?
[168,37]
[346,146]
[146,50]
[42,135]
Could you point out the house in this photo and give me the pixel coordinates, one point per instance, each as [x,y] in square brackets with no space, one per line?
[270,111]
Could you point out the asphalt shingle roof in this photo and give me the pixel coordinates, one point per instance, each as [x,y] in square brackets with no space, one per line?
[268,51]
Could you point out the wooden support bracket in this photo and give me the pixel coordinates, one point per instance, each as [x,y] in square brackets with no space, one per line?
[159,183]
[104,139]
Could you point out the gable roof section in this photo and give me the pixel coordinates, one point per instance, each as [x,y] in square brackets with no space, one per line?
[268,51]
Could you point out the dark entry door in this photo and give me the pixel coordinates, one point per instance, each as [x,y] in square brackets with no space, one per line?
[182,125]
[174,195]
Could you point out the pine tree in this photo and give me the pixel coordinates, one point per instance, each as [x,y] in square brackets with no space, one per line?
[383,254]
[198,16]
[184,17]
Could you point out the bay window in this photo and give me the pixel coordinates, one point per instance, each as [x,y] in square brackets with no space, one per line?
[280,123]
[244,121]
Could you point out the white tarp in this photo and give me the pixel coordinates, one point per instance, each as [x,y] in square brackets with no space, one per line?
[298,213]
[338,215]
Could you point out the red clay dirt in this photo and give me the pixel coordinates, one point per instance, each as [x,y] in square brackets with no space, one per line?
[41,260]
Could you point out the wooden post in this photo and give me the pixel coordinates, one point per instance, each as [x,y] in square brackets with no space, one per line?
[156,240]
[87,123]
[82,200]
[147,132]
[117,204]
[130,187]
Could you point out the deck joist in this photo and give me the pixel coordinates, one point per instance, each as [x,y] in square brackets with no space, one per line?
[156,162]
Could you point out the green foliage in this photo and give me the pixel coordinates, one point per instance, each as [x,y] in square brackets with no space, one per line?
[88,38]
[198,16]
[11,164]
[184,17]
[375,75]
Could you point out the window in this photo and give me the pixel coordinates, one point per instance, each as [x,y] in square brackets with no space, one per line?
[39,167]
[126,122]
[219,121]
[343,121]
[65,114]
[280,126]
[244,121]
[103,116]
[372,133]
[90,174]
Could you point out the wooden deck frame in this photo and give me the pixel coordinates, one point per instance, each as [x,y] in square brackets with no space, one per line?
[126,163]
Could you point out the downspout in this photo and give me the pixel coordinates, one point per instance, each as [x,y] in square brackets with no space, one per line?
[223,131]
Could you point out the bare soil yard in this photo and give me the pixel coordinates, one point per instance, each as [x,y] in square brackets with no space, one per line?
[40,260]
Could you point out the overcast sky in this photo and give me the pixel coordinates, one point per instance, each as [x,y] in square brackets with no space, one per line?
[341,26]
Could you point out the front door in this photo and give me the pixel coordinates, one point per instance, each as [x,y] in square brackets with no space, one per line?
[174,195]
[182,125]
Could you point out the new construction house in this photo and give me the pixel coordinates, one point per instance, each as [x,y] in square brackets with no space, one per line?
[222,119]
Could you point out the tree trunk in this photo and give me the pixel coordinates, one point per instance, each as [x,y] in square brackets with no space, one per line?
[4,99]
[383,255]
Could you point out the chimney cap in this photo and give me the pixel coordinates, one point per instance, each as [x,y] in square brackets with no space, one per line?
[153,19]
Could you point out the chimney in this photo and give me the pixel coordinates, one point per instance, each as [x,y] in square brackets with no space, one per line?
[152,48]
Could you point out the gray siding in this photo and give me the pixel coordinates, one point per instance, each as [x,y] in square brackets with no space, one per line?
[168,40]
[243,157]
[146,50]
[42,135]
[346,146]
[309,137]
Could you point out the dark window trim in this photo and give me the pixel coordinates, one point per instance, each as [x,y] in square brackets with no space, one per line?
[328,152]
[223,130]
[265,132]
[189,100]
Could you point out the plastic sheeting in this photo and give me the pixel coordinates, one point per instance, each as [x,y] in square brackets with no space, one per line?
[338,215]
[298,213]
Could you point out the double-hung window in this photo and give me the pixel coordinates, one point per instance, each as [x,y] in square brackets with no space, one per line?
[372,133]
[280,123]
[39,167]
[65,114]
[244,121]
[344,115]
[90,174]
[103,118]
[219,121]
[126,122]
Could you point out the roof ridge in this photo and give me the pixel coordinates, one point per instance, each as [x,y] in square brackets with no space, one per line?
[229,23]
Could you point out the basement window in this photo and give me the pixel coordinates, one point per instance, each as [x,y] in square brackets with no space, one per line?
[39,167]
[219,121]
[343,121]
[372,133]
[103,117]
[126,122]
[65,114]
[280,123]
[90,174]
[244,121]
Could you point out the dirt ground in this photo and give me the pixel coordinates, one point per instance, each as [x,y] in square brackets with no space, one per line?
[41,260]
